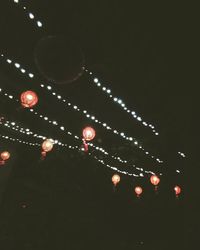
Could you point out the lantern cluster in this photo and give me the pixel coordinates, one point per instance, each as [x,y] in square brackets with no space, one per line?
[155,180]
[5,155]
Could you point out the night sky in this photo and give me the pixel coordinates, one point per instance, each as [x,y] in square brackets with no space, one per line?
[148,56]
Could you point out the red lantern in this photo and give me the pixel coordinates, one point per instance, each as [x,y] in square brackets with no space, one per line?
[155,180]
[88,133]
[5,155]
[138,191]
[177,190]
[29,99]
[115,179]
[47,145]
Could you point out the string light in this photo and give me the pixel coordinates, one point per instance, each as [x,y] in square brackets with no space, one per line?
[95,157]
[182,154]
[12,125]
[19,140]
[91,117]
[30,15]
[119,101]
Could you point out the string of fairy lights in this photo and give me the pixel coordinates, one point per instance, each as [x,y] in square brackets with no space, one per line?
[120,102]
[12,125]
[74,107]
[22,130]
[30,15]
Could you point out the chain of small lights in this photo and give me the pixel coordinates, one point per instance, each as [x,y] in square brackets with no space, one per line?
[117,170]
[182,154]
[95,157]
[85,112]
[19,141]
[12,125]
[30,15]
[119,101]
[28,132]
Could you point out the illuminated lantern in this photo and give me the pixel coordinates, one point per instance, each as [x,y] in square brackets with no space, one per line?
[177,190]
[155,180]
[88,133]
[138,191]
[115,179]
[5,155]
[29,99]
[47,145]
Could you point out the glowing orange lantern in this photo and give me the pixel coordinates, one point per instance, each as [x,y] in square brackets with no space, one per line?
[5,155]
[177,190]
[155,180]
[47,145]
[115,179]
[138,191]
[88,133]
[29,99]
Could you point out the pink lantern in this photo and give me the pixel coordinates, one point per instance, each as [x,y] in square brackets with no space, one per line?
[138,191]
[5,155]
[155,180]
[29,99]
[115,179]
[88,133]
[177,190]
[47,145]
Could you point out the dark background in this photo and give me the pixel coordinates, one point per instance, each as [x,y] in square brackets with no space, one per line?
[146,54]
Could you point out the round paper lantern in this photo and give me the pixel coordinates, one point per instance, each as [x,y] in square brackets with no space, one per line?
[5,155]
[47,145]
[115,179]
[88,133]
[29,99]
[177,190]
[138,191]
[155,180]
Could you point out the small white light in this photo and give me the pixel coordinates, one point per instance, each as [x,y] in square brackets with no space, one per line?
[49,87]
[23,70]
[108,91]
[31,16]
[39,24]
[17,65]
[96,80]
[31,75]
[139,118]
[119,101]
[9,61]
[115,99]
[59,97]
